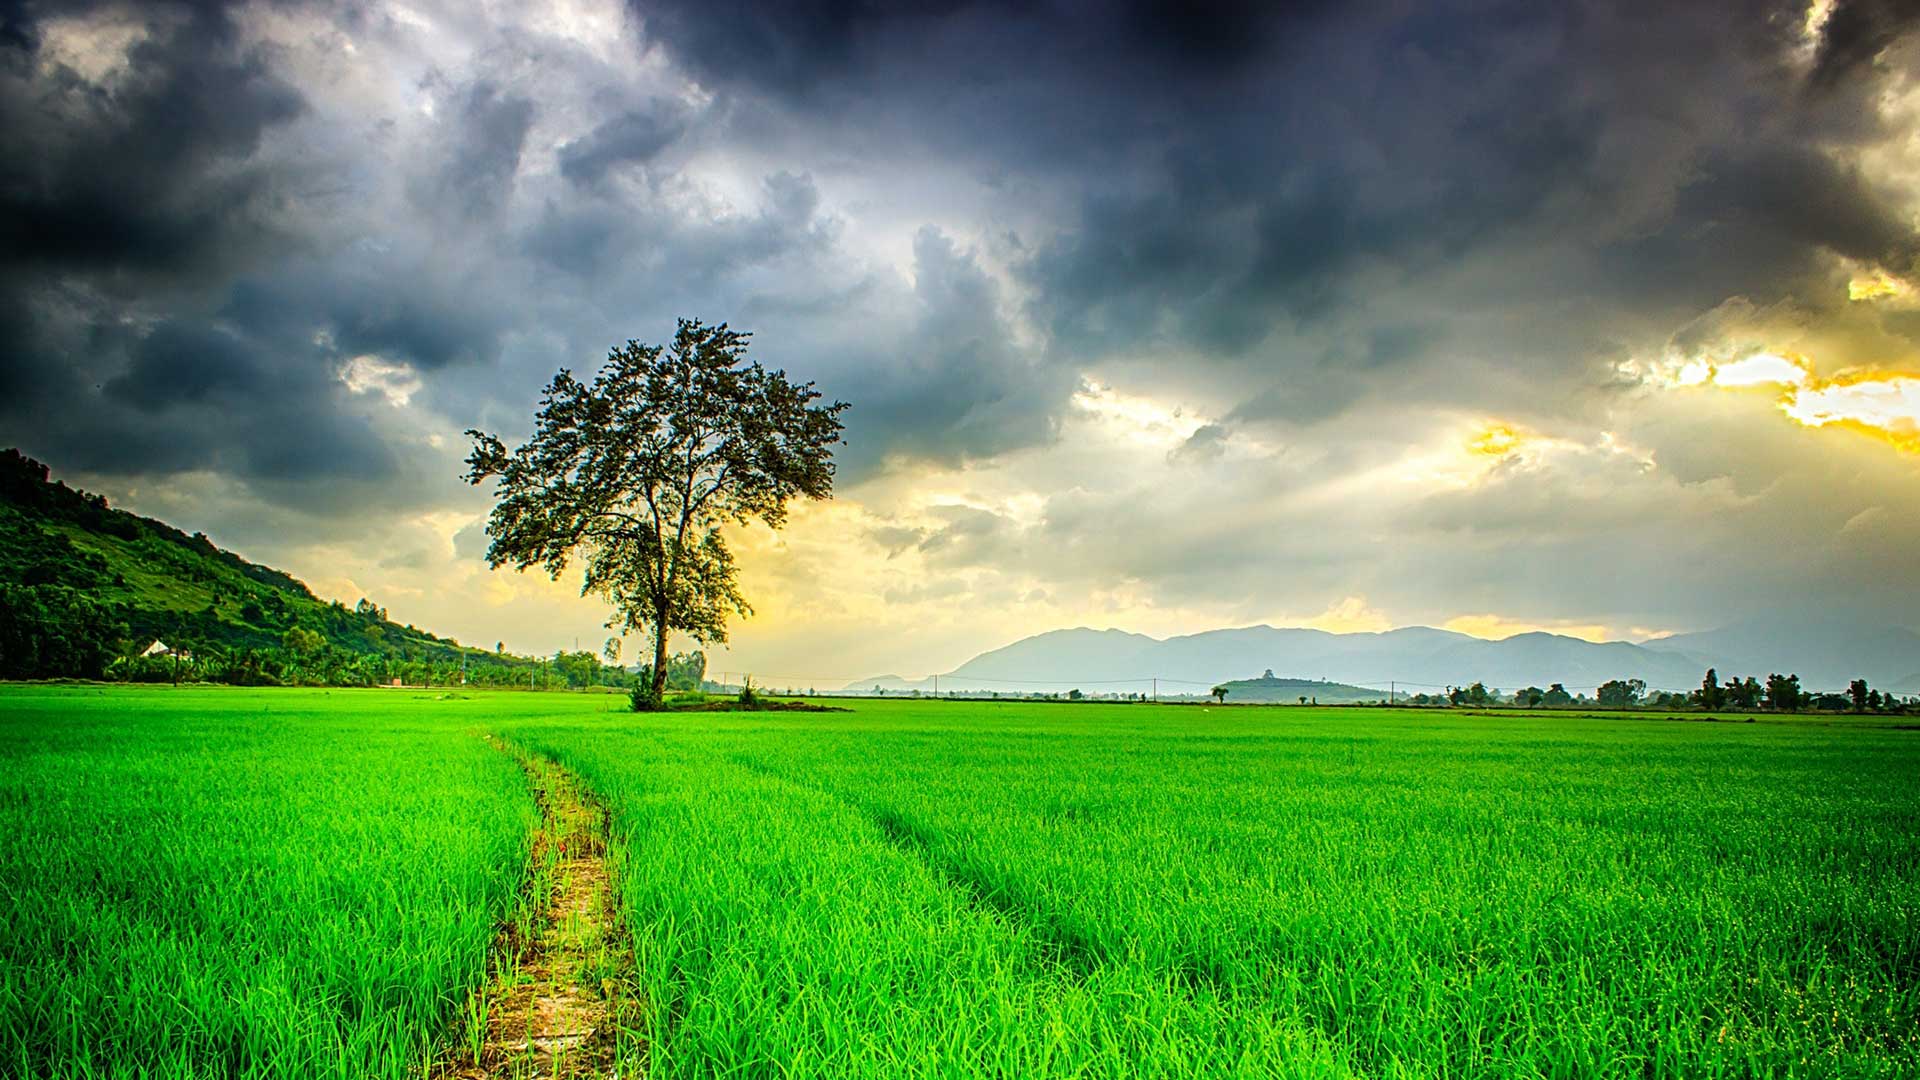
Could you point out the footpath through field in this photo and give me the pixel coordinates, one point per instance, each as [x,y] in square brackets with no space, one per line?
[558,1000]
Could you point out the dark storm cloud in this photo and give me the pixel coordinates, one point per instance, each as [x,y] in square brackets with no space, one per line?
[803,50]
[1250,186]
[150,173]
[398,305]
[177,364]
[116,197]
[1759,224]
[168,303]
[1400,154]
[192,395]
[958,387]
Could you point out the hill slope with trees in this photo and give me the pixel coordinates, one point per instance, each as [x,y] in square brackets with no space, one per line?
[85,588]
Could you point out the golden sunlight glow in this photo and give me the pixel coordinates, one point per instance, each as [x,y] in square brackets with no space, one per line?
[1350,616]
[1754,369]
[1818,12]
[1496,627]
[1875,286]
[1467,457]
[1495,440]
[1135,418]
[1886,407]
[1761,369]
[369,374]
[1691,373]
[1883,404]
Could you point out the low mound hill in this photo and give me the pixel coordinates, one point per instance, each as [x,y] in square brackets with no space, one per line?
[1270,689]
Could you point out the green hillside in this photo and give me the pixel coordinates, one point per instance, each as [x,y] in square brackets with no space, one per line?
[1271,690]
[84,587]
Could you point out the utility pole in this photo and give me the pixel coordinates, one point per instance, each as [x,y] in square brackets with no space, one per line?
[936,686]
[1392,689]
[1156,689]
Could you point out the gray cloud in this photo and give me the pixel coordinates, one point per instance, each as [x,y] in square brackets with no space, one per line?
[471,542]
[1205,444]
[485,139]
[969,536]
[636,136]
[1856,33]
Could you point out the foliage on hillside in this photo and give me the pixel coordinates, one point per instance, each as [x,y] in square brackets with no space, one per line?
[84,587]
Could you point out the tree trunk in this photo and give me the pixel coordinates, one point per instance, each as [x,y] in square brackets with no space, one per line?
[657,693]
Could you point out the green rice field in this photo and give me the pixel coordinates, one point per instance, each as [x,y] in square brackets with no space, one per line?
[219,882]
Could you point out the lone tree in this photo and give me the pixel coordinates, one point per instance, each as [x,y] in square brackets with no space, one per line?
[633,475]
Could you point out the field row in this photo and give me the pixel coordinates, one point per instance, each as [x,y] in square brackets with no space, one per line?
[1350,893]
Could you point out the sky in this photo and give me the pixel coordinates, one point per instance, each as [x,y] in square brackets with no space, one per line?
[1600,318]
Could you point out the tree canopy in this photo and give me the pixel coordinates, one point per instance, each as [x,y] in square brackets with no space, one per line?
[1620,693]
[633,475]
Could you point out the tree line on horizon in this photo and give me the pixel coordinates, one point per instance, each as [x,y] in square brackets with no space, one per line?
[1779,693]
[307,659]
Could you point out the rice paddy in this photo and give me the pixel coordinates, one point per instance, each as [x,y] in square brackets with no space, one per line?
[226,883]
[243,883]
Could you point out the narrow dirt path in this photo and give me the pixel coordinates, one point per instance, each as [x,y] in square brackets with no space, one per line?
[558,1000]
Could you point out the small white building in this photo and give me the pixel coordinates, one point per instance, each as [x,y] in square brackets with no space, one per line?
[161,648]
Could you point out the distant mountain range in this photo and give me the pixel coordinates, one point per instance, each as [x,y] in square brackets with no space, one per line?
[1825,653]
[1422,658]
